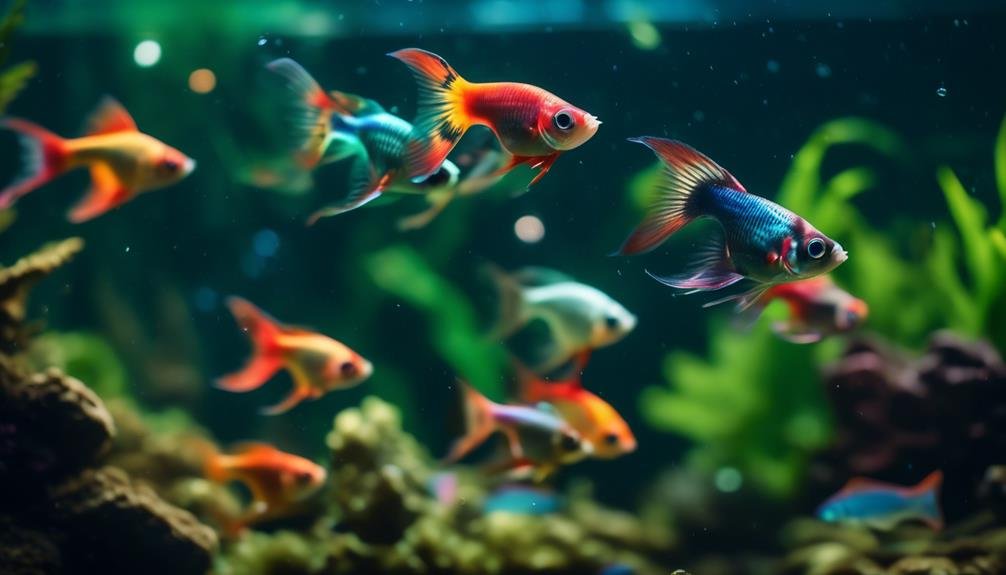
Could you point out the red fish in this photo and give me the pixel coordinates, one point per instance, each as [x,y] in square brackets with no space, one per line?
[534,125]
[817,308]
[277,480]
[592,417]
[317,362]
[123,161]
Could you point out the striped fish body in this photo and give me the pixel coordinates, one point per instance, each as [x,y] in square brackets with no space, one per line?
[753,228]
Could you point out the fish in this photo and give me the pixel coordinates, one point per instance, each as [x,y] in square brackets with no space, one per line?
[883,505]
[532,124]
[276,479]
[817,308]
[758,240]
[123,161]
[332,126]
[522,500]
[592,417]
[538,439]
[579,317]
[317,363]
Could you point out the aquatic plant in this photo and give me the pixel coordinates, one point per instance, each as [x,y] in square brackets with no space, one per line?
[83,355]
[750,405]
[13,79]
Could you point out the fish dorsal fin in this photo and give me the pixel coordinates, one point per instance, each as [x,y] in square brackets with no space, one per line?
[253,448]
[540,276]
[860,484]
[932,482]
[110,117]
[356,105]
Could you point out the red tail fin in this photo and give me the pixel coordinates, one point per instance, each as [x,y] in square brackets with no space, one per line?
[686,171]
[441,118]
[44,159]
[479,423]
[265,360]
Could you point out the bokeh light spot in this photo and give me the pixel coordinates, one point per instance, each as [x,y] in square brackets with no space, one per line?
[728,479]
[147,53]
[529,229]
[202,81]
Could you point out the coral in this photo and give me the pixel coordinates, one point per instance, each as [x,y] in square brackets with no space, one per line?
[116,526]
[386,521]
[51,423]
[829,549]
[898,418]
[16,282]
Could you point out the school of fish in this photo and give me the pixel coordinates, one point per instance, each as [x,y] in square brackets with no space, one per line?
[551,419]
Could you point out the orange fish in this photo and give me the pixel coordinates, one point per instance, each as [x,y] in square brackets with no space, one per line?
[123,161]
[532,124]
[317,363]
[276,479]
[593,418]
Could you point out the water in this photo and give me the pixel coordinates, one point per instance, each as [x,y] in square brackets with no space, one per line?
[745,433]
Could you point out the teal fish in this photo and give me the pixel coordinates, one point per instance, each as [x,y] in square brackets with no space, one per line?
[883,505]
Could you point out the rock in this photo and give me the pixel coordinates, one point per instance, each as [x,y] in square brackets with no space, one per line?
[50,423]
[27,552]
[116,526]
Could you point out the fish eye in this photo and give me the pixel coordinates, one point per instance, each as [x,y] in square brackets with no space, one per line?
[611,322]
[611,439]
[170,166]
[304,477]
[563,120]
[815,248]
[348,369]
[570,443]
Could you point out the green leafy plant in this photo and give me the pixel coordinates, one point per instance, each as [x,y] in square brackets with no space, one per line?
[756,403]
[13,79]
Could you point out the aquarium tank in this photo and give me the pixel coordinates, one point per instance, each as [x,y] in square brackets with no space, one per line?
[492,287]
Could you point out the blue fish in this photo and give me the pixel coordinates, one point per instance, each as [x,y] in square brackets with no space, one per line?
[758,240]
[523,500]
[883,505]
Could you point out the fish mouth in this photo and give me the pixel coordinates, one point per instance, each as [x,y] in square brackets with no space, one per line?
[839,255]
[189,166]
[592,122]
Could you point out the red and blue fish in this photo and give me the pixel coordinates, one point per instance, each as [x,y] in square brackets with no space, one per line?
[532,124]
[883,505]
[760,240]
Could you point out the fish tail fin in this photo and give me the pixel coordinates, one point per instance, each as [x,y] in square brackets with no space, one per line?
[479,424]
[312,108]
[441,117]
[686,175]
[927,493]
[265,360]
[214,462]
[44,158]
[510,315]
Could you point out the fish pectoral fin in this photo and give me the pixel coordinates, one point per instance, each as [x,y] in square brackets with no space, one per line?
[541,163]
[364,186]
[513,442]
[106,192]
